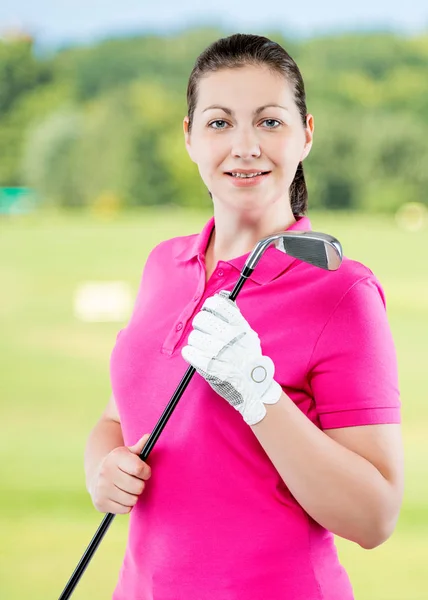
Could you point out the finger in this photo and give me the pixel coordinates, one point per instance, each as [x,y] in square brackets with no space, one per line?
[128,483]
[205,342]
[224,308]
[117,509]
[132,465]
[215,326]
[196,358]
[123,498]
[139,445]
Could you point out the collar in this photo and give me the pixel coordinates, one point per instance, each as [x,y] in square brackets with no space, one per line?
[273,263]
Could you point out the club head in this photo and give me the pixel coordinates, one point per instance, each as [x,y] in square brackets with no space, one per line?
[318,249]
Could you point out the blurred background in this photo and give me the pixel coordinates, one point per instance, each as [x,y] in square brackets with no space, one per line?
[94,173]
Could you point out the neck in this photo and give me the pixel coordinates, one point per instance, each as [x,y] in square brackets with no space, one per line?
[233,237]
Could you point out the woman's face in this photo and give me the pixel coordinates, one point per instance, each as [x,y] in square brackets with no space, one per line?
[246,119]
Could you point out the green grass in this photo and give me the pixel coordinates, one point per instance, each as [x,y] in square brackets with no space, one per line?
[55,382]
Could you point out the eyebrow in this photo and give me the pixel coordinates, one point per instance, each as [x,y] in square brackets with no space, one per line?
[256,112]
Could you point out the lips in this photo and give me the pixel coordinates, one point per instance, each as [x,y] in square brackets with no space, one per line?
[247,182]
[246,172]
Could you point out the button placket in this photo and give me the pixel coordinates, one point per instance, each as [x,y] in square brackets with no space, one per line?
[183,323]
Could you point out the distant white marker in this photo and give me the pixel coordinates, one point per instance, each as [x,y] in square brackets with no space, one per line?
[103,301]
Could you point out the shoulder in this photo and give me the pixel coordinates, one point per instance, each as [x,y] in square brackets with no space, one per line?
[172,248]
[358,281]
[349,272]
[352,288]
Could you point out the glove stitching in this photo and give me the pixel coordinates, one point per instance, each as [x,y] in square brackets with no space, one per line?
[216,314]
[229,344]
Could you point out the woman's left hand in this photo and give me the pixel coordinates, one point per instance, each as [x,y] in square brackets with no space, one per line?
[227,353]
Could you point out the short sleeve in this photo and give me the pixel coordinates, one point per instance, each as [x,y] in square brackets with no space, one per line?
[353,370]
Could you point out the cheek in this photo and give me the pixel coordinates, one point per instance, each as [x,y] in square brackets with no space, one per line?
[289,150]
[211,153]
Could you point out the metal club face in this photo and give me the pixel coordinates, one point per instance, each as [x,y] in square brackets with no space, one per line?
[318,249]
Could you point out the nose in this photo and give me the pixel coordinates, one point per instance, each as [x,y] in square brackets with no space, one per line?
[245,144]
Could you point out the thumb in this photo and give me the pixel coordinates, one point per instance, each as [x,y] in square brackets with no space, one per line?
[138,446]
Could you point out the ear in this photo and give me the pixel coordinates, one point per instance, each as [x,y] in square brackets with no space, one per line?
[309,134]
[187,139]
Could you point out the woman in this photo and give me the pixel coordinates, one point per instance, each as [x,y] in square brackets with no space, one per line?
[252,475]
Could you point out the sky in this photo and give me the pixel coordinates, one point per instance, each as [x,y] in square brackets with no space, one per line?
[81,21]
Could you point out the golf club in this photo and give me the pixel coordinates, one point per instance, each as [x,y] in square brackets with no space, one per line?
[318,249]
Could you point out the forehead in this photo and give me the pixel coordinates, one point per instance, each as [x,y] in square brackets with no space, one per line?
[249,86]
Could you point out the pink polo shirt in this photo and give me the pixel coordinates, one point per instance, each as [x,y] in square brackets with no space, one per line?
[216,521]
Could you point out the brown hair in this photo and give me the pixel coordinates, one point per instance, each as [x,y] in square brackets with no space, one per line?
[240,50]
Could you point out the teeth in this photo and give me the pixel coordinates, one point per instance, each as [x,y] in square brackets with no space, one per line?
[244,175]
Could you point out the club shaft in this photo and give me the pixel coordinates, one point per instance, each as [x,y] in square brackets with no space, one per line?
[89,552]
[148,447]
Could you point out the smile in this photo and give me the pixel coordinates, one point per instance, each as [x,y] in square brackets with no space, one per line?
[246,175]
[248,179]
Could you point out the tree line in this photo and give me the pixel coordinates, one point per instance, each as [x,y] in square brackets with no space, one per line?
[101,125]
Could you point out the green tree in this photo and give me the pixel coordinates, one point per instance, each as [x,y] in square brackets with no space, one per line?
[27,90]
[51,155]
[92,132]
[20,72]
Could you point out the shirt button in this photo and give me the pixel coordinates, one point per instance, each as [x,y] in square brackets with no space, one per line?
[220,273]
[179,326]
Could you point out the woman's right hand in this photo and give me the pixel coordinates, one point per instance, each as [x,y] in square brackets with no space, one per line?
[120,479]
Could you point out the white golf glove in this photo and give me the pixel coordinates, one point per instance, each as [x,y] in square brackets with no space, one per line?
[227,353]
